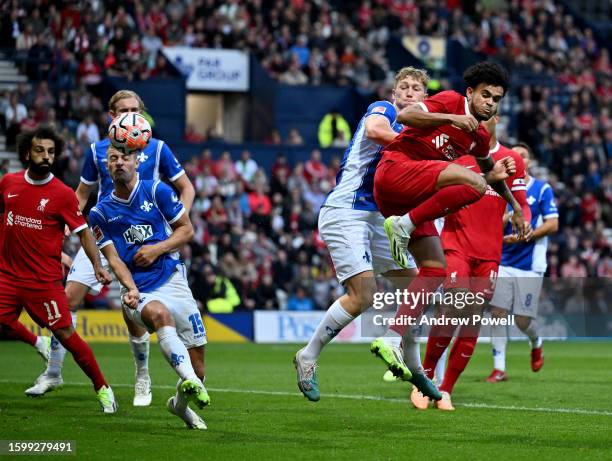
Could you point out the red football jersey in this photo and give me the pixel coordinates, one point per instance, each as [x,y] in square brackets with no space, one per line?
[478,229]
[34,215]
[444,142]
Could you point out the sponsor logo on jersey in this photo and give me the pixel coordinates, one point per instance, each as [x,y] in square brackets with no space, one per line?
[42,204]
[440,140]
[138,233]
[146,206]
[379,109]
[23,221]
[98,234]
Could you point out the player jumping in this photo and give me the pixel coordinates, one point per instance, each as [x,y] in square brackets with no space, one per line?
[472,253]
[521,274]
[415,183]
[352,228]
[36,208]
[140,227]
[156,160]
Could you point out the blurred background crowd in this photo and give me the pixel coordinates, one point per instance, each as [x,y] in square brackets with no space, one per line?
[256,242]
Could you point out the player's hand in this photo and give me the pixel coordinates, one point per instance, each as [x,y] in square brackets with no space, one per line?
[130,299]
[511,239]
[528,232]
[518,224]
[146,255]
[503,169]
[103,276]
[465,122]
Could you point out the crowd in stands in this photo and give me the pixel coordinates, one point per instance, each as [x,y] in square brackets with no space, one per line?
[256,242]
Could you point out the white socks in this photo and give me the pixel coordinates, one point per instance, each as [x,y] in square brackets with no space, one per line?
[176,353]
[499,339]
[532,333]
[441,368]
[412,352]
[140,350]
[57,353]
[335,319]
[406,223]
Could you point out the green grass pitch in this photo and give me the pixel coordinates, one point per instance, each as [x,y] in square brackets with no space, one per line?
[563,412]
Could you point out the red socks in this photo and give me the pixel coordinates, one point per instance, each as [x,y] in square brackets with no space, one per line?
[19,331]
[446,200]
[83,355]
[460,355]
[439,338]
[428,281]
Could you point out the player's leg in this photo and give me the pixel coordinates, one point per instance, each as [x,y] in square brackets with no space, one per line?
[19,331]
[504,299]
[139,342]
[347,236]
[526,310]
[451,188]
[427,251]
[49,308]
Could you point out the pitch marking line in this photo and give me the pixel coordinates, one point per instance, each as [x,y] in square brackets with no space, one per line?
[575,411]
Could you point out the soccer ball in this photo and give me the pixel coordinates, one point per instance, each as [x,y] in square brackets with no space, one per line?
[129,133]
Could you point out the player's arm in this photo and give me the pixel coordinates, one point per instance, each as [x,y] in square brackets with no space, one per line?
[83,192]
[549,226]
[186,191]
[123,274]
[550,215]
[419,116]
[379,131]
[91,250]
[182,233]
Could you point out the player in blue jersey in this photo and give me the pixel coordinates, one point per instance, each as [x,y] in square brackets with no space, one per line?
[139,228]
[352,228]
[156,160]
[521,273]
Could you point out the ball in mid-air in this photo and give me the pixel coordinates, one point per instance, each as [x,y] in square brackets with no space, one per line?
[129,132]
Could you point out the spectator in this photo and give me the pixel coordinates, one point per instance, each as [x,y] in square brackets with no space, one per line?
[300,301]
[15,113]
[334,130]
[315,169]
[87,131]
[294,138]
[246,166]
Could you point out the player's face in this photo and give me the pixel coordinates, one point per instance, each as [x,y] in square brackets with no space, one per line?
[408,90]
[524,154]
[484,100]
[41,156]
[122,167]
[126,106]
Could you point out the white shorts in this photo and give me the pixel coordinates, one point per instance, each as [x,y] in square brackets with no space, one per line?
[82,271]
[176,295]
[357,241]
[518,291]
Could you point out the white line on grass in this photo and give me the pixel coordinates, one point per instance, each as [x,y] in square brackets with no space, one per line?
[487,406]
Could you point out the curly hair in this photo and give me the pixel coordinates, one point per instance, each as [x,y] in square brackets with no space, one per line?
[488,72]
[24,141]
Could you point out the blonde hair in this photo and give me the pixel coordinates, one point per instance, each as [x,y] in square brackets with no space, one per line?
[124,94]
[420,75]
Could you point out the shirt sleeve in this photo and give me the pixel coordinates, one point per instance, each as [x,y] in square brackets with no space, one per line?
[98,227]
[168,202]
[548,205]
[169,166]
[71,213]
[89,174]
[481,147]
[445,102]
[384,108]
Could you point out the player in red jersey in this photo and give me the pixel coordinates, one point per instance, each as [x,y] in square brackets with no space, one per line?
[35,208]
[472,241]
[415,183]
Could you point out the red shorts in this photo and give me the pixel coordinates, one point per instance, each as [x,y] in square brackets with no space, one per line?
[401,184]
[476,275]
[48,306]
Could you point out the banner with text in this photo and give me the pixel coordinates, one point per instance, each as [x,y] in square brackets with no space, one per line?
[211,69]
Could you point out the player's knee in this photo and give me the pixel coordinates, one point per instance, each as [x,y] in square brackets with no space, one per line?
[63,334]
[522,322]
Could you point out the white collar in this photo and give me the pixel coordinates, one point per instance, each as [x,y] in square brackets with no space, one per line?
[495,148]
[467,106]
[37,182]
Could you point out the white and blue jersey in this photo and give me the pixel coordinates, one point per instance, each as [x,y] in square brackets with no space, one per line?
[155,159]
[531,256]
[355,180]
[143,219]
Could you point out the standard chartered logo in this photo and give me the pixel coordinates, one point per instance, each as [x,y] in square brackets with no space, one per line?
[23,221]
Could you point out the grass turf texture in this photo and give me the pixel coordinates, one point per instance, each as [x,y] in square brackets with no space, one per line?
[359,416]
